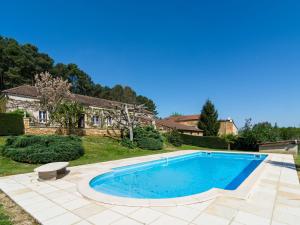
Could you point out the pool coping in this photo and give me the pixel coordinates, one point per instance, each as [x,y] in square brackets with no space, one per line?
[241,192]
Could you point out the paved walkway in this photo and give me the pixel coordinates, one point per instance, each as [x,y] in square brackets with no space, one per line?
[274,199]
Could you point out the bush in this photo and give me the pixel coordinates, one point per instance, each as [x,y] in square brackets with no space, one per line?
[147,138]
[20,112]
[174,138]
[43,149]
[11,124]
[127,143]
[205,141]
[150,143]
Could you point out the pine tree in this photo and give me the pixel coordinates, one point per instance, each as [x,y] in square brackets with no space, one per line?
[208,120]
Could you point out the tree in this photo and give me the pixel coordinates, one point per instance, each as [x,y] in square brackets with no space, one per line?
[229,139]
[51,92]
[208,120]
[174,114]
[20,63]
[265,132]
[126,117]
[148,103]
[67,115]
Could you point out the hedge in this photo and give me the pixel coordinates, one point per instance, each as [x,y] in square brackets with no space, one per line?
[204,141]
[43,149]
[11,124]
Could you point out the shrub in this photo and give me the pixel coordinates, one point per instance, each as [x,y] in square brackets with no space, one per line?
[127,143]
[20,112]
[205,141]
[11,124]
[174,138]
[43,149]
[147,138]
[150,143]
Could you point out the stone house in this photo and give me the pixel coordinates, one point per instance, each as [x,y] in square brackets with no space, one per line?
[169,125]
[188,124]
[95,118]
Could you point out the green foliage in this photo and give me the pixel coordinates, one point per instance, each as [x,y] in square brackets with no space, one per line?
[174,138]
[150,143]
[289,133]
[11,124]
[265,132]
[205,141]
[149,104]
[208,121]
[20,63]
[4,218]
[147,137]
[43,149]
[175,114]
[67,115]
[229,139]
[20,112]
[127,143]
[251,135]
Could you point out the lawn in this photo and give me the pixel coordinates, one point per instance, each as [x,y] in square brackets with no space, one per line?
[97,149]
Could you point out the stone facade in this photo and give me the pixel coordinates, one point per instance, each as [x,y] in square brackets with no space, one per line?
[226,126]
[30,130]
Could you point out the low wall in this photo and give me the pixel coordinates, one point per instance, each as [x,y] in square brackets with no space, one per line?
[284,148]
[79,131]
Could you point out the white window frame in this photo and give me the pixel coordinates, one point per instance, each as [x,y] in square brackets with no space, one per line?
[42,116]
[96,120]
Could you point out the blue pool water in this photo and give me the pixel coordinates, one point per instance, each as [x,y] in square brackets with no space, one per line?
[178,176]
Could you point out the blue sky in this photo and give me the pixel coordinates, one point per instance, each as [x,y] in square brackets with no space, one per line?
[243,55]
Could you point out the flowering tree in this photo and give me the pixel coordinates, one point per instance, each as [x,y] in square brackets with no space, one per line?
[55,97]
[51,91]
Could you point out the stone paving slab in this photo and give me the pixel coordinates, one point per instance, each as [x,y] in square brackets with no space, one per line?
[274,199]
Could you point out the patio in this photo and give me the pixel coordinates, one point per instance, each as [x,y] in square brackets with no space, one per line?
[273,199]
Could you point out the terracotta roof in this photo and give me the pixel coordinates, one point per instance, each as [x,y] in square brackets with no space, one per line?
[184,118]
[173,125]
[31,91]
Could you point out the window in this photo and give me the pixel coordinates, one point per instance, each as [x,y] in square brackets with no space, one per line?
[109,121]
[42,116]
[95,120]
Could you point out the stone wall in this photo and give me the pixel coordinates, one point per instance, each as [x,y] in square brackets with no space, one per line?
[279,148]
[227,127]
[56,130]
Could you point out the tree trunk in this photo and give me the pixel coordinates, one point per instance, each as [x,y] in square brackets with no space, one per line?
[228,146]
[131,133]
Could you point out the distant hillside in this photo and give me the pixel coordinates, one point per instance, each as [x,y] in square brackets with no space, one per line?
[19,63]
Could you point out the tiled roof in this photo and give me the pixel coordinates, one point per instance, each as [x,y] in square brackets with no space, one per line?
[173,125]
[184,118]
[31,91]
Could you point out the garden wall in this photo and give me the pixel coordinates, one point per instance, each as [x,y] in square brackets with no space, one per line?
[29,130]
[204,141]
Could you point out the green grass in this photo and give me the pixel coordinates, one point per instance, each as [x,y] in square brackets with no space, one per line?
[97,149]
[4,218]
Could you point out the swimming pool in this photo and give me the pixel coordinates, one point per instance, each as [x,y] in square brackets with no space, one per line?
[178,176]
